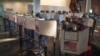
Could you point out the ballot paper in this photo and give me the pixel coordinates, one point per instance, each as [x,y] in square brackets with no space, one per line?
[29,24]
[48,28]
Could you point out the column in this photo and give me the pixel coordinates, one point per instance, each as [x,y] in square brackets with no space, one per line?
[88,6]
[36,7]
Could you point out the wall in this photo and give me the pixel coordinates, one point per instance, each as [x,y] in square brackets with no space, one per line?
[96,6]
[20,7]
[55,3]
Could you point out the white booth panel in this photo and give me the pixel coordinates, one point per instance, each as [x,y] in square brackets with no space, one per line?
[20,20]
[29,24]
[48,28]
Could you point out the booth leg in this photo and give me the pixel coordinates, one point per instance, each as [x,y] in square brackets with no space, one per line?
[21,47]
[20,39]
[54,45]
[10,30]
[45,50]
[4,20]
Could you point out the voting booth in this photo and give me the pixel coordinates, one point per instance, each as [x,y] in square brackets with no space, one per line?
[74,42]
[48,29]
[41,27]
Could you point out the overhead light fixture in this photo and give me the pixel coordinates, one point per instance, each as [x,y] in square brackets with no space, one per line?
[90,11]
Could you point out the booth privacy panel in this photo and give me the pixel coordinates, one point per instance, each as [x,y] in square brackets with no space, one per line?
[20,20]
[71,45]
[30,24]
[48,28]
[11,16]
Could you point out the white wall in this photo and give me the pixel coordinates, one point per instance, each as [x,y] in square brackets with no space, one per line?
[20,7]
[55,4]
[64,3]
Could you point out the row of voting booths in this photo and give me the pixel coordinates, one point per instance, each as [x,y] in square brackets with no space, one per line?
[33,33]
